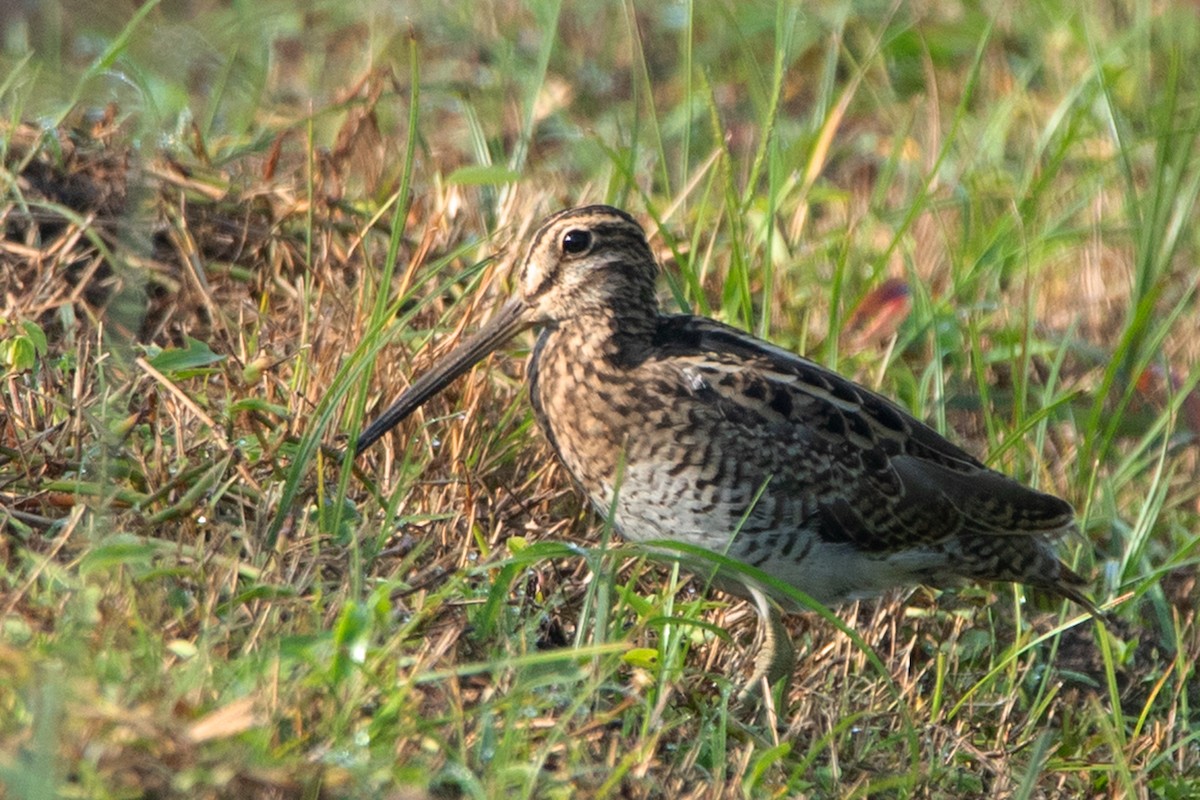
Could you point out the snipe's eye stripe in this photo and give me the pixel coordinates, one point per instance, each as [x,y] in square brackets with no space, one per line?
[547,283]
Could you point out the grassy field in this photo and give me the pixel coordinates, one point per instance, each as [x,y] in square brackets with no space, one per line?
[231,232]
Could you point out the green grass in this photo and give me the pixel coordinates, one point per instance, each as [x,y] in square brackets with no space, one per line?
[251,225]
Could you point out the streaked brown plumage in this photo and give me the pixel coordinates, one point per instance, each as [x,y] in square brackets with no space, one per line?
[723,441]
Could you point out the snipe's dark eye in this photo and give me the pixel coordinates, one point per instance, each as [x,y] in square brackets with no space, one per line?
[576,241]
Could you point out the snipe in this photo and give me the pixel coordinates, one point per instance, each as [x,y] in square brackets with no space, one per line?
[723,441]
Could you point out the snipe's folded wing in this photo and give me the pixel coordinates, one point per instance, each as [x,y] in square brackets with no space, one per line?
[874,475]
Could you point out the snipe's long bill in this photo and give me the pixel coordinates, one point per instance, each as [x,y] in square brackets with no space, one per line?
[828,486]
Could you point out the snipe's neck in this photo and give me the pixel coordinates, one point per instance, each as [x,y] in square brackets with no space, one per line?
[618,337]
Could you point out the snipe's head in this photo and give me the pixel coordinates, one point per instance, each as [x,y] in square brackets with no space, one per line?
[590,261]
[587,260]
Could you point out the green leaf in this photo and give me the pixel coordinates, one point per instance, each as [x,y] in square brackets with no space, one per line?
[177,359]
[120,550]
[644,657]
[257,404]
[36,336]
[483,175]
[19,354]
